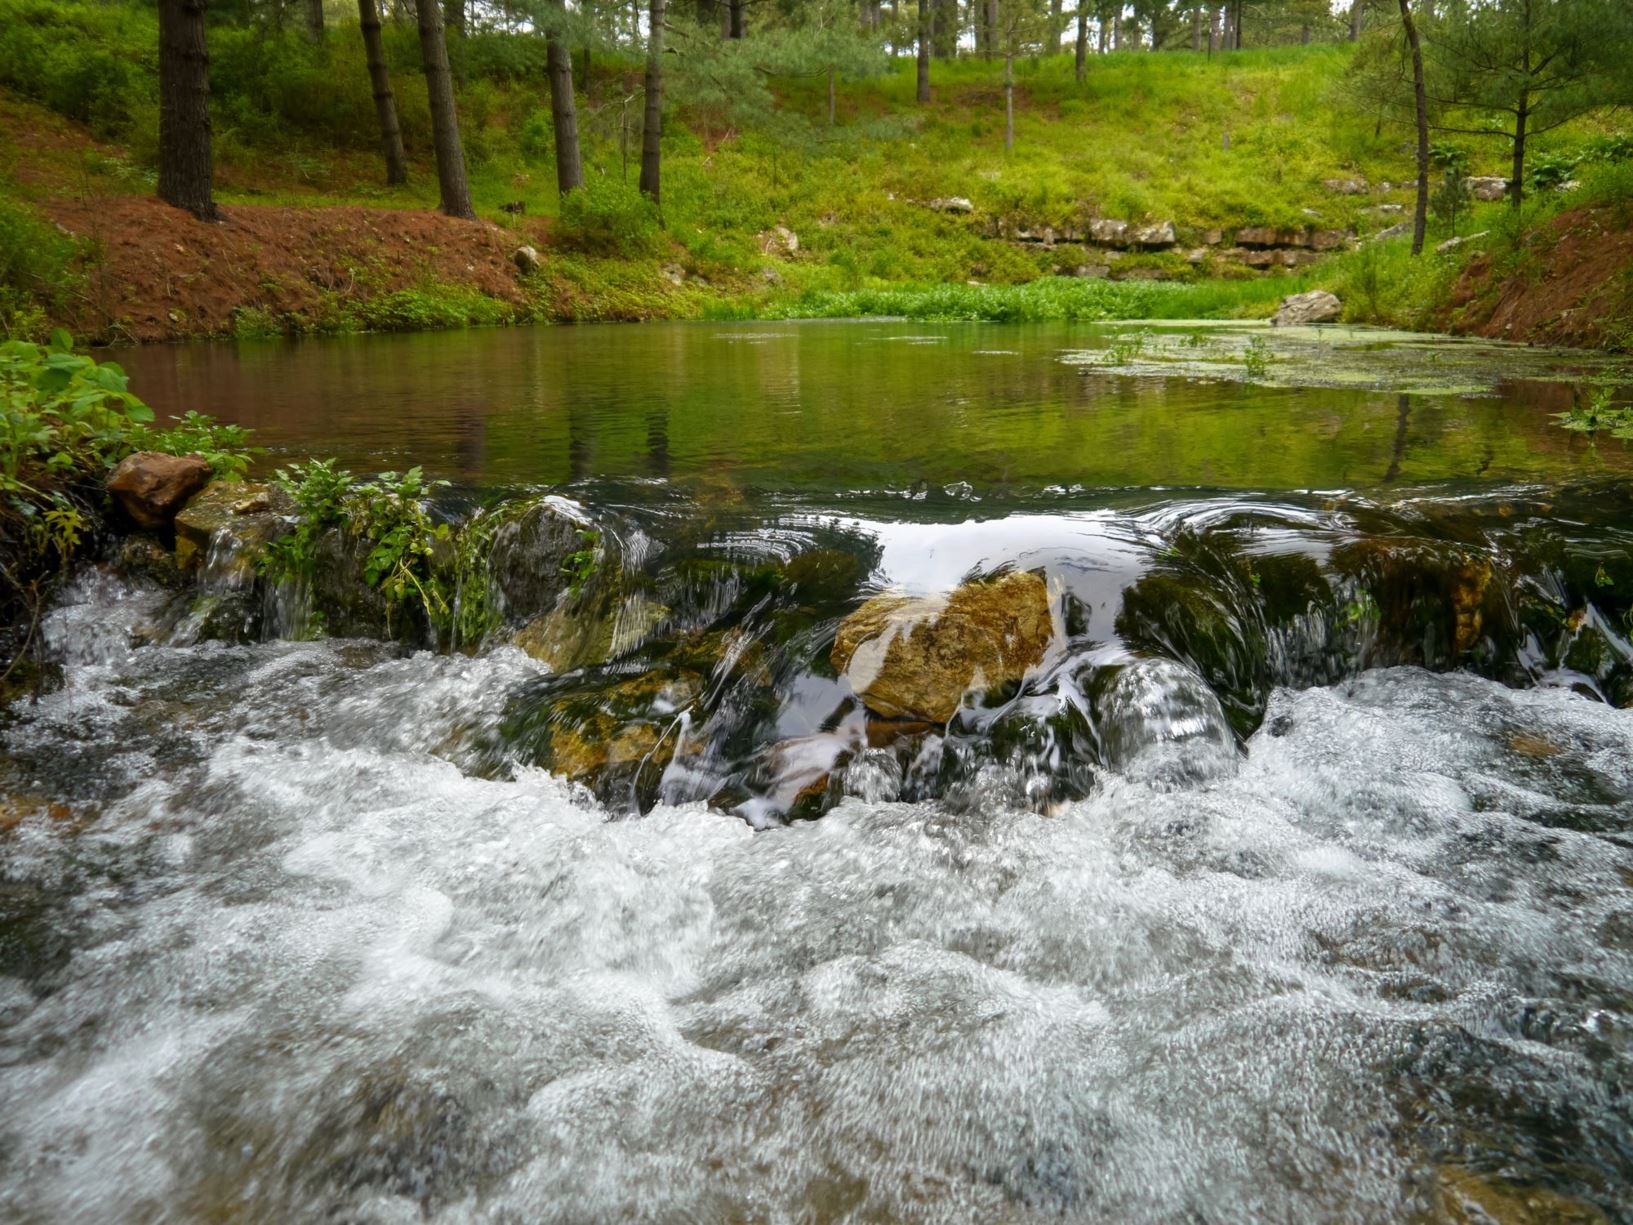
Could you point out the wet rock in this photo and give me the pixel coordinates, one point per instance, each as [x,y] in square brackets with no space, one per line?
[527,259]
[1155,236]
[1464,1197]
[823,576]
[142,555]
[916,657]
[248,517]
[152,487]
[1486,187]
[584,632]
[529,564]
[1300,309]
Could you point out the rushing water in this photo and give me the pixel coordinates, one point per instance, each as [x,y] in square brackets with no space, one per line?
[1295,883]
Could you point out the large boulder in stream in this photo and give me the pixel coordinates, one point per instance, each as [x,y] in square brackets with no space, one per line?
[539,554]
[1301,309]
[916,657]
[225,527]
[152,486]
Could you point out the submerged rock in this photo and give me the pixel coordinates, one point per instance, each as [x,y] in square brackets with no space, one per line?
[152,486]
[1300,309]
[916,657]
[1160,723]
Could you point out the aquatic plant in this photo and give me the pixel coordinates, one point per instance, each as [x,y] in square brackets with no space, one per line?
[1256,358]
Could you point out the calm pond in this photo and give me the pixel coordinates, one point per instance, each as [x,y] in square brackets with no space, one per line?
[1291,878]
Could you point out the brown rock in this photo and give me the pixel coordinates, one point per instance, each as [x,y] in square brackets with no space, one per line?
[916,658]
[152,487]
[1257,236]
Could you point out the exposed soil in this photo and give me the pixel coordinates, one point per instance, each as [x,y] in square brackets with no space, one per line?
[164,275]
[1571,285]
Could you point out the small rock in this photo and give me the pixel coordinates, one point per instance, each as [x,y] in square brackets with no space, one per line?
[1108,233]
[247,516]
[1317,306]
[1399,230]
[1213,237]
[1312,214]
[779,240]
[951,204]
[916,657]
[1486,187]
[1328,240]
[152,487]
[526,259]
[674,274]
[1158,234]
[1388,210]
[1196,256]
[1257,236]
[1346,187]
[1093,272]
[1451,244]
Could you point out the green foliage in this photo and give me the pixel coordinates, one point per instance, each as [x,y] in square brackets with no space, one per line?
[579,566]
[37,271]
[1450,199]
[226,448]
[1256,358]
[431,307]
[319,490]
[389,513]
[1126,348]
[610,217]
[1383,283]
[1602,414]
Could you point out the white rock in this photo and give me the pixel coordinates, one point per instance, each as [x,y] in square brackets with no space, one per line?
[527,259]
[1317,306]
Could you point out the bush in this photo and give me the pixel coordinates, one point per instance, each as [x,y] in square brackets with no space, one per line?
[609,217]
[37,271]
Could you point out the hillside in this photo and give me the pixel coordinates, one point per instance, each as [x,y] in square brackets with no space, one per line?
[1250,169]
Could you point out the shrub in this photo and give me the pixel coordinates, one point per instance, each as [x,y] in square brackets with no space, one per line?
[609,217]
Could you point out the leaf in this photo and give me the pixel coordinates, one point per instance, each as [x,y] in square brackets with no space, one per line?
[139,412]
[61,340]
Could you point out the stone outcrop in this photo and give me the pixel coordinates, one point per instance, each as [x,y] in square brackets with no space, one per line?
[152,486]
[779,240]
[951,204]
[1317,306]
[1487,187]
[916,657]
[1153,237]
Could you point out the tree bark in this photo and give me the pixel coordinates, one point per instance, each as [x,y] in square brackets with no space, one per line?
[1420,100]
[1080,58]
[314,18]
[184,109]
[652,122]
[439,86]
[1196,29]
[1357,11]
[1522,116]
[385,102]
[563,112]
[924,51]
[735,30]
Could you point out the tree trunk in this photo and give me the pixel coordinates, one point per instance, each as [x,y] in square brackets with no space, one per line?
[439,86]
[314,18]
[1236,26]
[830,97]
[563,112]
[453,17]
[385,102]
[1420,100]
[1522,116]
[924,51]
[1357,12]
[1117,29]
[652,123]
[1196,29]
[1080,59]
[735,30]
[1009,98]
[1056,24]
[944,29]
[184,108]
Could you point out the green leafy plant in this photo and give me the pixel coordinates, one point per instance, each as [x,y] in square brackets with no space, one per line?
[580,565]
[319,490]
[1600,415]
[1126,348]
[226,448]
[1256,359]
[391,515]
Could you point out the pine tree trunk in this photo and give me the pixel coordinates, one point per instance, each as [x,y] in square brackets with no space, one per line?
[736,9]
[314,18]
[1055,26]
[1196,29]
[184,108]
[1009,98]
[1117,29]
[924,51]
[1420,101]
[1522,116]
[652,123]
[563,112]
[830,97]
[439,86]
[1080,59]
[1356,14]
[385,102]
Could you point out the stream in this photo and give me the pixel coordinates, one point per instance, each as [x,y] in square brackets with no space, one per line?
[1291,880]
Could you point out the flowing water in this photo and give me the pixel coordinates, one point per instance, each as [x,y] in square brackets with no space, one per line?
[1293,882]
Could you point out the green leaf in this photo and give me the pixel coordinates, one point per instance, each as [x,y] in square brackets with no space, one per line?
[61,341]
